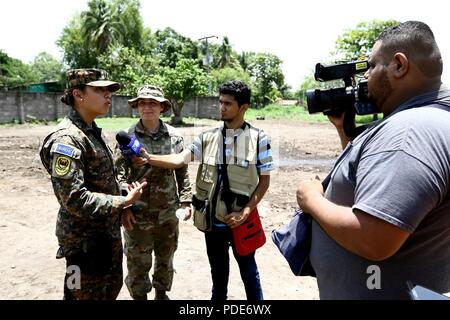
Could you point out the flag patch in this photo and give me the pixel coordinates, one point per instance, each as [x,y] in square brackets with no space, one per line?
[65,150]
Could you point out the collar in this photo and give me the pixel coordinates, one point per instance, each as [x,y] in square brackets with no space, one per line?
[76,118]
[243,127]
[441,95]
[142,130]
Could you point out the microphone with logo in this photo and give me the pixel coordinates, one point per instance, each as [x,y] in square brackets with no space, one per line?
[128,145]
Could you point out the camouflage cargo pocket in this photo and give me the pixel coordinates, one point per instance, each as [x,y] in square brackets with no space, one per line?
[94,257]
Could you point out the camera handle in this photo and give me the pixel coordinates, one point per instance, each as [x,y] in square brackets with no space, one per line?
[350,128]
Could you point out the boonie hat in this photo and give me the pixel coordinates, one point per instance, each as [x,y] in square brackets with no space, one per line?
[150,92]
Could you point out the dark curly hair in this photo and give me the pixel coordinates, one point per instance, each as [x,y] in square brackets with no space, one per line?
[238,89]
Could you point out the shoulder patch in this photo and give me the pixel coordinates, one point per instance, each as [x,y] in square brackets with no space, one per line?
[66,150]
[62,165]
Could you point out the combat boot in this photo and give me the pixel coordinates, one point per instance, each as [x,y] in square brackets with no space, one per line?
[161,295]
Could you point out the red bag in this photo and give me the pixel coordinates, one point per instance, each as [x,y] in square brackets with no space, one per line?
[249,236]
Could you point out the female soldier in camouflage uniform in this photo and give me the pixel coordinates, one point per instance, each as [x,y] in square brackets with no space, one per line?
[155,225]
[82,171]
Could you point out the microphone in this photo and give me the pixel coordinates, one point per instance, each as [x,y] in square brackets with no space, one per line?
[129,145]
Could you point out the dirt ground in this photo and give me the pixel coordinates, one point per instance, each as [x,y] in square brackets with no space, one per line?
[28,212]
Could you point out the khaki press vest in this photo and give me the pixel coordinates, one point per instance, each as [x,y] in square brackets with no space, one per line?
[241,169]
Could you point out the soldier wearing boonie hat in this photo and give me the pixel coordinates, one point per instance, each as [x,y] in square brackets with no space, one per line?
[155,231]
[153,93]
[82,171]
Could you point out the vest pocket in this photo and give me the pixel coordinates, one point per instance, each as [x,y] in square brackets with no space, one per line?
[202,214]
[243,180]
[237,201]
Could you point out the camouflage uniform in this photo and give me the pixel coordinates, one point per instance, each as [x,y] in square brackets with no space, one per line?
[156,227]
[88,226]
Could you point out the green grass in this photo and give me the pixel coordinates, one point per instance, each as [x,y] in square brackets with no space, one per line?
[115,123]
[123,123]
[274,111]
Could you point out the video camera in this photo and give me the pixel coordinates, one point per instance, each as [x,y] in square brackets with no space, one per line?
[336,100]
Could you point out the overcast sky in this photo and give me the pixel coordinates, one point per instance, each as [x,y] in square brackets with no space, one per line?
[301,33]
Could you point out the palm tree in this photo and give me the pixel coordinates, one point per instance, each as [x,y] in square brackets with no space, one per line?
[101,25]
[244,60]
[225,51]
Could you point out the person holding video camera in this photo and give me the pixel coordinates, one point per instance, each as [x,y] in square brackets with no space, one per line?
[384,219]
[81,166]
[151,225]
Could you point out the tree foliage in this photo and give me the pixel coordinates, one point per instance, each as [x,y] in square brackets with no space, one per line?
[220,76]
[101,25]
[244,60]
[78,53]
[226,54]
[47,67]
[105,23]
[353,44]
[111,35]
[185,81]
[265,71]
[172,47]
[14,73]
[129,67]
[357,43]
[308,83]
[132,25]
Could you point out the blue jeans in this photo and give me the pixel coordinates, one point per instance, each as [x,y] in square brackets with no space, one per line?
[218,242]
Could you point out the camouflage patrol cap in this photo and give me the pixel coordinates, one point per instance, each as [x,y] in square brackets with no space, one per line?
[87,77]
[90,77]
[153,93]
